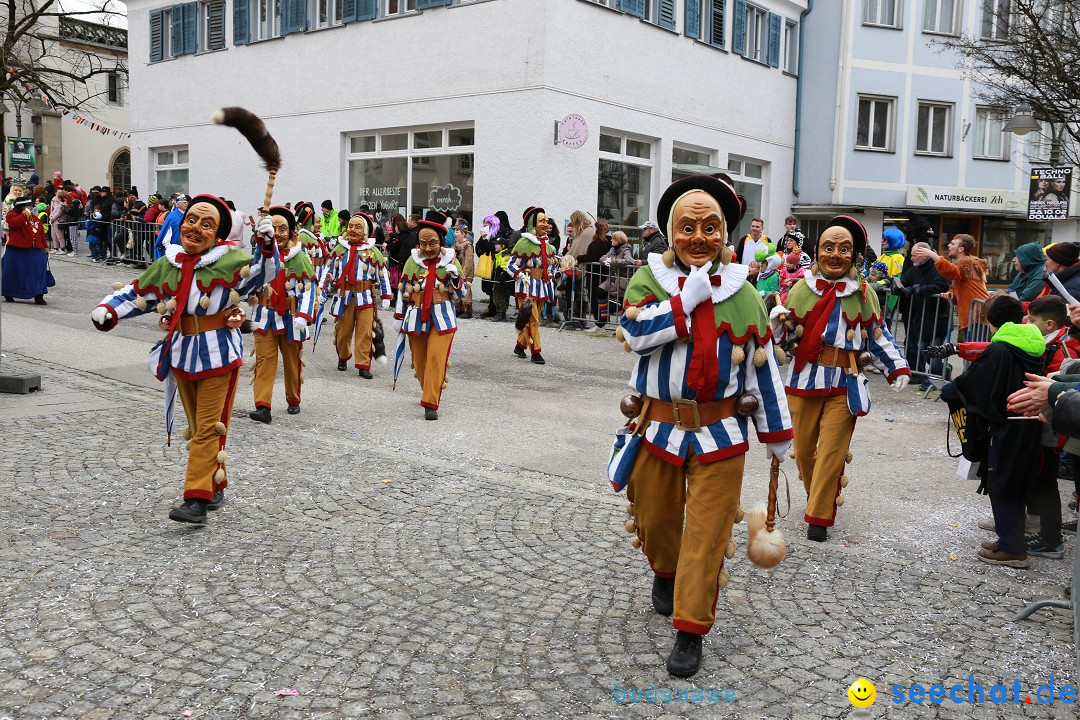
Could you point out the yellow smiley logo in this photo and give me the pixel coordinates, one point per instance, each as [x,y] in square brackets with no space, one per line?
[862,693]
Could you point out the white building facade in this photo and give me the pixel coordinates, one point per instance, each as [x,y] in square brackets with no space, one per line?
[470,106]
[890,126]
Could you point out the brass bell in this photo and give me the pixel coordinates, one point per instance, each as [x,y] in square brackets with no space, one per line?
[799,331]
[848,457]
[864,358]
[737,355]
[746,405]
[619,334]
[850,334]
[723,578]
[739,514]
[630,406]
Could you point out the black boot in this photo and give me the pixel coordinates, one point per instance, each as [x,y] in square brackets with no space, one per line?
[40,300]
[431,414]
[218,501]
[685,657]
[366,374]
[260,414]
[192,511]
[293,410]
[538,359]
[343,365]
[500,317]
[519,351]
[663,595]
[817,533]
[8,298]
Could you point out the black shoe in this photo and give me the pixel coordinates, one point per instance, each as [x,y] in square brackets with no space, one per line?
[40,300]
[465,316]
[293,410]
[192,511]
[817,533]
[343,365]
[260,414]
[663,595]
[520,352]
[431,414]
[501,317]
[1069,528]
[218,501]
[538,359]
[366,374]
[8,298]
[685,657]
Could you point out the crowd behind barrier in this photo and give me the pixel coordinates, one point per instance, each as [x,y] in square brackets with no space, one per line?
[593,293]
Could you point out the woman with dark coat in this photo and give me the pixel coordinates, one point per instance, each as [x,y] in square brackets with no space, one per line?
[588,263]
[503,284]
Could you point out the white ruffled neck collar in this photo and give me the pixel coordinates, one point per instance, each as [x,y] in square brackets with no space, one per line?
[844,287]
[173,251]
[732,277]
[366,245]
[445,259]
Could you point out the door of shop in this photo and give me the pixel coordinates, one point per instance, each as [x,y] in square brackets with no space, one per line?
[951,225]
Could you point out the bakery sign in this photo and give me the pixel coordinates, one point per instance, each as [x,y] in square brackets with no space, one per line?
[964,198]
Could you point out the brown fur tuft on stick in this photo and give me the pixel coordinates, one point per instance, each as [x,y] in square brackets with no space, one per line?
[252,128]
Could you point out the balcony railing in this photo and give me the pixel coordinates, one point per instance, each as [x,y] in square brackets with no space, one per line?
[89,33]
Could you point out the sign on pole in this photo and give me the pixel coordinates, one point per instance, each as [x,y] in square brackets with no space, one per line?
[1048,194]
[21,154]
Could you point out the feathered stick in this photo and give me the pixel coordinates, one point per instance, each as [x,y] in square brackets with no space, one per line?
[766,546]
[251,127]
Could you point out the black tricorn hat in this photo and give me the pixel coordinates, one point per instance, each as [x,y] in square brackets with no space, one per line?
[435,220]
[725,195]
[853,226]
[226,216]
[285,213]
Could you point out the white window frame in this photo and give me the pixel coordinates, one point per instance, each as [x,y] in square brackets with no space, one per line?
[1040,145]
[396,8]
[789,63]
[993,121]
[875,13]
[333,14]
[624,158]
[757,34]
[166,35]
[737,167]
[264,29]
[935,19]
[121,84]
[203,32]
[947,121]
[890,127]
[992,26]
[175,165]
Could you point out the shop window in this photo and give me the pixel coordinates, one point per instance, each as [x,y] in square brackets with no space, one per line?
[942,17]
[170,169]
[748,175]
[933,129]
[996,15]
[412,171]
[883,13]
[687,161]
[1000,238]
[874,128]
[624,181]
[991,140]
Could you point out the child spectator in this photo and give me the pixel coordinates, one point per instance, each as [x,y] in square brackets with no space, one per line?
[95,237]
[791,273]
[769,276]
[1011,455]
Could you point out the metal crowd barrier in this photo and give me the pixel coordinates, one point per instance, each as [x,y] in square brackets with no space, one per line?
[977,330]
[71,232]
[918,322]
[588,301]
[132,241]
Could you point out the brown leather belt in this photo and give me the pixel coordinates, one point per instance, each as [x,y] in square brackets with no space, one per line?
[317,261]
[836,357]
[196,324]
[689,415]
[437,296]
[360,286]
[272,304]
[536,273]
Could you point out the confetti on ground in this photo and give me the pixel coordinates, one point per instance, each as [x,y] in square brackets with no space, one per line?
[287,692]
[953,557]
[189,713]
[386,480]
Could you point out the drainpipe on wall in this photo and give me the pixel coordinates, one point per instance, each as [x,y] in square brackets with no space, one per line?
[839,120]
[798,99]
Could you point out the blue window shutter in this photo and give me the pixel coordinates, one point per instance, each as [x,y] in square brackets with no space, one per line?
[692,19]
[215,25]
[348,11]
[667,14]
[157,35]
[240,34]
[284,8]
[738,28]
[293,16]
[365,9]
[633,7]
[716,23]
[191,27]
[425,4]
[775,23]
[176,31]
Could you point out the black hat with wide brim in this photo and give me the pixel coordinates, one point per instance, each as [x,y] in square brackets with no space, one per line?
[285,213]
[853,226]
[435,220]
[224,213]
[725,195]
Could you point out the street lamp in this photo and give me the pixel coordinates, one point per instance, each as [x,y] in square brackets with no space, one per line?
[1022,122]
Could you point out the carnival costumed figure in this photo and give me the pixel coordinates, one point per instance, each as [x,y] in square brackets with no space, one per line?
[310,239]
[196,288]
[531,264]
[26,257]
[836,320]
[355,276]
[283,315]
[431,282]
[706,368]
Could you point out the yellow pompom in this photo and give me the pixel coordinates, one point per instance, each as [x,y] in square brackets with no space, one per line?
[848,458]
[626,347]
[160,308]
[219,475]
[187,446]
[449,364]
[737,355]
[799,331]
[844,480]
[726,255]
[187,433]
[118,285]
[219,428]
[140,302]
[204,302]
[790,324]
[632,312]
[630,509]
[222,457]
[729,552]
[171,305]
[635,541]
[877,333]
[234,297]
[630,526]
[739,514]
[253,300]
[445,383]
[760,357]
[668,257]
[839,500]
[723,578]
[864,335]
[619,334]
[850,334]
[781,357]
[245,271]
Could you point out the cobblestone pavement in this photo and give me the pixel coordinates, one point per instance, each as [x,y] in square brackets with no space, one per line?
[474,567]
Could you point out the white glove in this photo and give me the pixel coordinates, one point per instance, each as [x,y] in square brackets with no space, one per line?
[397,326]
[265,227]
[101,315]
[386,304]
[775,322]
[451,269]
[900,383]
[300,325]
[778,450]
[697,289]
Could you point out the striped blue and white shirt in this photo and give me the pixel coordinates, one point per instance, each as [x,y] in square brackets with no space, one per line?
[368,268]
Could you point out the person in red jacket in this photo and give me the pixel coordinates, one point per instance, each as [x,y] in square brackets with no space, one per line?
[26,257]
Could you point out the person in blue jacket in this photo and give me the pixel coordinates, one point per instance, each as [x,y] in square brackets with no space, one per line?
[1029,263]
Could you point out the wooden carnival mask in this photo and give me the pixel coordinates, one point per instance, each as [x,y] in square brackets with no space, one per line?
[198,228]
[835,252]
[282,236]
[698,227]
[429,243]
[357,229]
